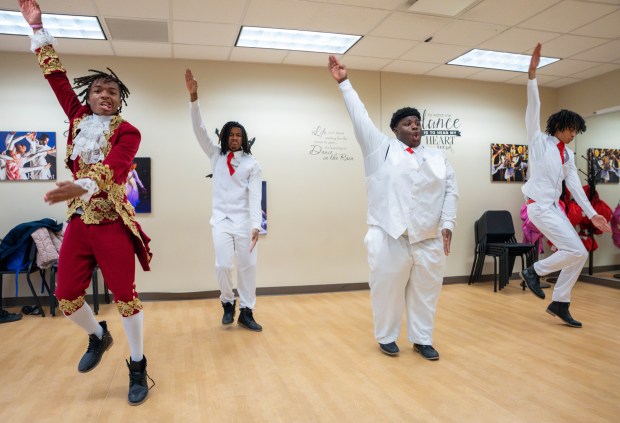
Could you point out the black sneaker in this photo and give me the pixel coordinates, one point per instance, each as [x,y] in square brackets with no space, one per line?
[246,320]
[532,280]
[560,310]
[138,385]
[426,351]
[389,349]
[95,350]
[229,312]
[6,317]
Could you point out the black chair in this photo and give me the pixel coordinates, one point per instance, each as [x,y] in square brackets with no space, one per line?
[27,267]
[494,235]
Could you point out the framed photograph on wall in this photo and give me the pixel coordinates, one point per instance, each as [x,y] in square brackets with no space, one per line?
[509,162]
[605,164]
[263,206]
[138,185]
[27,156]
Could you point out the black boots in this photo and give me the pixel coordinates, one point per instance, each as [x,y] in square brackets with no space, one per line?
[95,350]
[560,310]
[229,312]
[246,320]
[532,280]
[138,385]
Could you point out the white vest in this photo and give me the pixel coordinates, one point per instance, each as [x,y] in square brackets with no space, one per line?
[405,195]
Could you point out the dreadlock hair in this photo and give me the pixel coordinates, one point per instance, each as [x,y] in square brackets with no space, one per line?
[403,113]
[87,81]
[225,133]
[565,119]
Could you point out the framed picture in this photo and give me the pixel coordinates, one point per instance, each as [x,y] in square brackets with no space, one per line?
[509,162]
[605,165]
[138,185]
[27,156]
[263,206]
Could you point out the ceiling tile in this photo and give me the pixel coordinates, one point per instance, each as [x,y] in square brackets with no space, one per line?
[597,70]
[93,47]
[607,27]
[434,53]
[567,16]
[69,7]
[20,43]
[306,59]
[365,63]
[257,55]
[221,11]
[607,52]
[157,9]
[466,33]
[185,51]
[404,66]
[561,82]
[450,71]
[494,75]
[523,78]
[383,4]
[566,46]
[201,33]
[346,19]
[442,8]
[566,67]
[518,40]
[136,49]
[494,11]
[409,26]
[388,48]
[284,14]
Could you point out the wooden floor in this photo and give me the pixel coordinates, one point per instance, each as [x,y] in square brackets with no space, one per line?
[503,359]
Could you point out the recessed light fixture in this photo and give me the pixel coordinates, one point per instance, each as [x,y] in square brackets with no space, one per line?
[63,26]
[489,59]
[289,39]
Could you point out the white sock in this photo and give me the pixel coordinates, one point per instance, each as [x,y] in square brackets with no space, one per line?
[85,318]
[133,329]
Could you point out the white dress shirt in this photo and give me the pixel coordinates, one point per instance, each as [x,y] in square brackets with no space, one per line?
[546,171]
[237,196]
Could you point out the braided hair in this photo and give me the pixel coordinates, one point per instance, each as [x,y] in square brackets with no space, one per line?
[87,81]
[565,119]
[225,133]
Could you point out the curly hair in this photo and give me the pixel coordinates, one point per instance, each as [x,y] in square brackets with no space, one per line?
[225,133]
[87,81]
[403,113]
[565,119]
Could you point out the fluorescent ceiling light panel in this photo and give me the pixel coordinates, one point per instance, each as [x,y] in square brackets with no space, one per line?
[288,39]
[489,59]
[63,26]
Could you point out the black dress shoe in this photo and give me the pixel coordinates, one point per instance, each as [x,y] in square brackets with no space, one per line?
[229,312]
[532,280]
[389,349]
[6,317]
[560,310]
[246,320]
[95,350]
[426,351]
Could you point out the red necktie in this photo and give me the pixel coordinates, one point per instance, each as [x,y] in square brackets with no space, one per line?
[230,168]
[561,146]
[409,150]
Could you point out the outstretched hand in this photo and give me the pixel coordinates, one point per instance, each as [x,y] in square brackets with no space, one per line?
[534,62]
[190,82]
[30,11]
[601,223]
[337,69]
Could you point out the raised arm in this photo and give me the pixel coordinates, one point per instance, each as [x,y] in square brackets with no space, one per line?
[532,113]
[198,125]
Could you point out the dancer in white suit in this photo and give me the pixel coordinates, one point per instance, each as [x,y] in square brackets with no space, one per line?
[236,218]
[412,197]
[551,163]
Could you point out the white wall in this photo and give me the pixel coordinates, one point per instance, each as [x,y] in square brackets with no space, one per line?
[316,204]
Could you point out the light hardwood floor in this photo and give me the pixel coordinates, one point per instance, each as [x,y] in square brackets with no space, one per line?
[503,359]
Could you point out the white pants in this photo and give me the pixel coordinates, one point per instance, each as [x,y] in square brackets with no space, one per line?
[234,239]
[404,275]
[571,254]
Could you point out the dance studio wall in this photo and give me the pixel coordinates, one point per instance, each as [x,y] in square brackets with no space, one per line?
[304,142]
